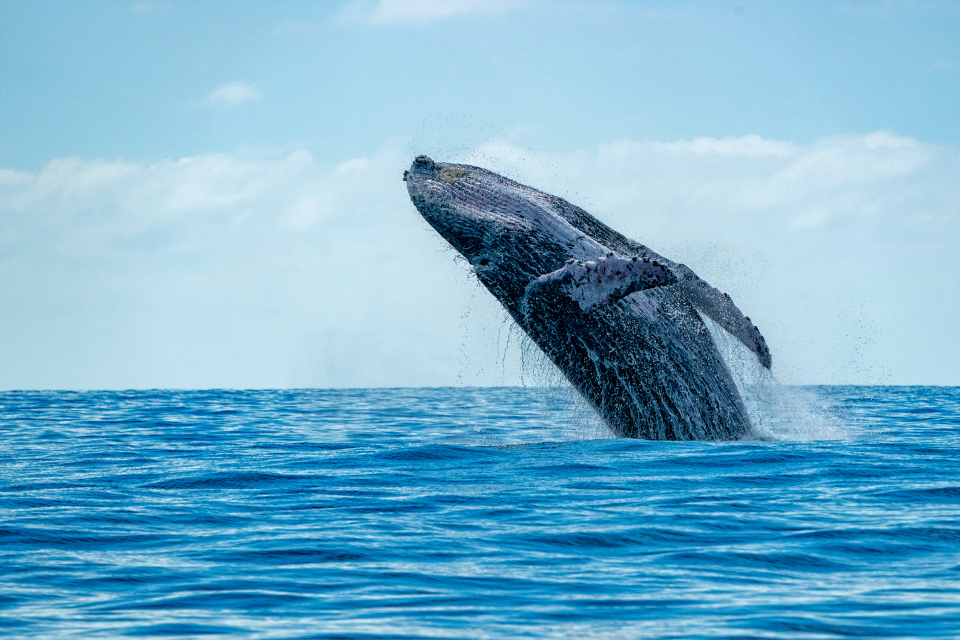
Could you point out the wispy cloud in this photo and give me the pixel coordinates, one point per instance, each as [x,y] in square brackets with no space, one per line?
[820,243]
[383,12]
[232,95]
[188,256]
[149,9]
[745,176]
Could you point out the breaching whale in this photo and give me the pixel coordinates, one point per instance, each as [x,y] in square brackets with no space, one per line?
[621,322]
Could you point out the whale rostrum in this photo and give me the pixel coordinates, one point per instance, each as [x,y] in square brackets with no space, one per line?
[621,322]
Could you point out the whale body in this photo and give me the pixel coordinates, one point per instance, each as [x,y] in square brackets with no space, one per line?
[621,322]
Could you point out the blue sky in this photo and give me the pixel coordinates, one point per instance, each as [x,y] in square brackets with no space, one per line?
[128,80]
[208,194]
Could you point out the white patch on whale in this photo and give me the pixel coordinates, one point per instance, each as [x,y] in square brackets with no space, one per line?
[594,283]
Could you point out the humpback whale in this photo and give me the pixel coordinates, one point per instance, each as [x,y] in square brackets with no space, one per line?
[625,325]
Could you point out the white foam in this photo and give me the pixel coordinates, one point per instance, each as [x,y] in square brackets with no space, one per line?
[777,411]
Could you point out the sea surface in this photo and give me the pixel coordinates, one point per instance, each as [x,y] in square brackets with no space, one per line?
[471,513]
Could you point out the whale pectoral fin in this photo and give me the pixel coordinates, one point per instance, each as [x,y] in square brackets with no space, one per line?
[720,308]
[594,283]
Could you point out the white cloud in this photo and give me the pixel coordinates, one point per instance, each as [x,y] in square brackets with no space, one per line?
[149,9]
[841,249]
[745,176]
[750,146]
[223,270]
[274,270]
[232,95]
[385,12]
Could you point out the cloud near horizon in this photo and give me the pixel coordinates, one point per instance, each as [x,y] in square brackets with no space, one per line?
[267,270]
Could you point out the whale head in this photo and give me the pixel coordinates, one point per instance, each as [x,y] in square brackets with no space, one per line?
[509,233]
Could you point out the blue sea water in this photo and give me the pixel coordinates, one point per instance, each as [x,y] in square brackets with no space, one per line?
[473,513]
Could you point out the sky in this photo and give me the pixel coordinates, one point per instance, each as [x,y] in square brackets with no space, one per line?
[209,195]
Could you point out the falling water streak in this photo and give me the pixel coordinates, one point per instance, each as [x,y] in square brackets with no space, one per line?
[511,326]
[464,340]
[584,422]
[777,411]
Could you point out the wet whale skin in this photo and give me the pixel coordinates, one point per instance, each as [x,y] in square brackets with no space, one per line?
[621,322]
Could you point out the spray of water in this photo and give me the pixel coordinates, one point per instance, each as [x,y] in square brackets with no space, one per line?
[777,411]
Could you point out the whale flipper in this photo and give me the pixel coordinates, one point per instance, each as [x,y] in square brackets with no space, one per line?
[720,308]
[593,283]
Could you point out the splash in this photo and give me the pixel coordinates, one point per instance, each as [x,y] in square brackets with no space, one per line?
[777,411]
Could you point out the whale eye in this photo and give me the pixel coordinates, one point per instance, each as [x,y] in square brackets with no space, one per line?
[484,262]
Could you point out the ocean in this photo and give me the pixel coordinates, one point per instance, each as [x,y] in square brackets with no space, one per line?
[472,513]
